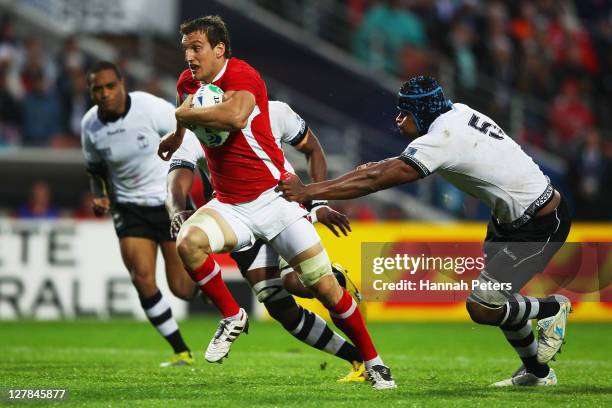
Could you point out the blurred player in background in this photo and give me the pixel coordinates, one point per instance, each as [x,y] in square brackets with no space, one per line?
[259,265]
[529,222]
[119,137]
[244,172]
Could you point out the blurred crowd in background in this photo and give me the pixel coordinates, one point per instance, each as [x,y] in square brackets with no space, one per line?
[556,55]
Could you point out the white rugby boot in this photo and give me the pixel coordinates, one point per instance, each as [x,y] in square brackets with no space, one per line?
[380,377]
[227,332]
[521,378]
[551,331]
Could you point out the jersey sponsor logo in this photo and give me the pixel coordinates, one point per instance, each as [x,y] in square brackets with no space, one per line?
[115,132]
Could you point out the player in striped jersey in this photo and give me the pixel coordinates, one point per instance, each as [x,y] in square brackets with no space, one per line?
[259,264]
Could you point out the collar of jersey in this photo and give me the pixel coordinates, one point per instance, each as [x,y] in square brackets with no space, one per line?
[128,105]
[220,74]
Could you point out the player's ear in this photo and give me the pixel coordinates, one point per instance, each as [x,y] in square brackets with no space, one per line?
[219,50]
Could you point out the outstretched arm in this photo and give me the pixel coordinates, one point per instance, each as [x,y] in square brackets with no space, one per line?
[363,181]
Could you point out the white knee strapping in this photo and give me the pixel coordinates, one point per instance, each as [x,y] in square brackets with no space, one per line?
[314,268]
[211,228]
[270,290]
[284,267]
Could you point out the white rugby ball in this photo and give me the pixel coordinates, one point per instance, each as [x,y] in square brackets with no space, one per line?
[209,95]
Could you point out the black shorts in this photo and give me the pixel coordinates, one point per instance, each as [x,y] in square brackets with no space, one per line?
[132,220]
[515,256]
[244,259]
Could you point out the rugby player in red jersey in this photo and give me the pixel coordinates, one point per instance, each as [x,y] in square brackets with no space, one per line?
[244,173]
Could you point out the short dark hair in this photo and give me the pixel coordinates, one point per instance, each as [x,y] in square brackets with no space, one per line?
[103,66]
[215,29]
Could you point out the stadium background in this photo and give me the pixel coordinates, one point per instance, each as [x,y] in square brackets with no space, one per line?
[540,68]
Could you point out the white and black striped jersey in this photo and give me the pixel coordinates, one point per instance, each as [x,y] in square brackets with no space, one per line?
[287,127]
[128,147]
[471,151]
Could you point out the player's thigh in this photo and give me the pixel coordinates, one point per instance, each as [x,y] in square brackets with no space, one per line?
[139,256]
[216,229]
[300,244]
[297,242]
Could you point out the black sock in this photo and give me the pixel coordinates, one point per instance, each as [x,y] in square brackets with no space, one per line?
[548,307]
[160,315]
[526,346]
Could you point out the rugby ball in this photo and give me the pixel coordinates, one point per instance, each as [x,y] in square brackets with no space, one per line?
[209,95]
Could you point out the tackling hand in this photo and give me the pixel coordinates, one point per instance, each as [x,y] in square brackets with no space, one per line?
[292,188]
[177,221]
[331,219]
[100,206]
[168,145]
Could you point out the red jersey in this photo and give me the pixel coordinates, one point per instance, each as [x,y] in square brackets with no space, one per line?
[249,162]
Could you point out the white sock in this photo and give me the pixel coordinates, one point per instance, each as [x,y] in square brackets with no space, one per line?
[375,361]
[237,316]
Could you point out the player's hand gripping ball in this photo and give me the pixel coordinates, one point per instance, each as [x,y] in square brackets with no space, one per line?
[209,95]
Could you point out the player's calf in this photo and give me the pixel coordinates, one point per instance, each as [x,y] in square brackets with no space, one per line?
[184,290]
[506,309]
[310,328]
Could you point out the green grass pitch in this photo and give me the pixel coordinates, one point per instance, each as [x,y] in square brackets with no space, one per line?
[115,363]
